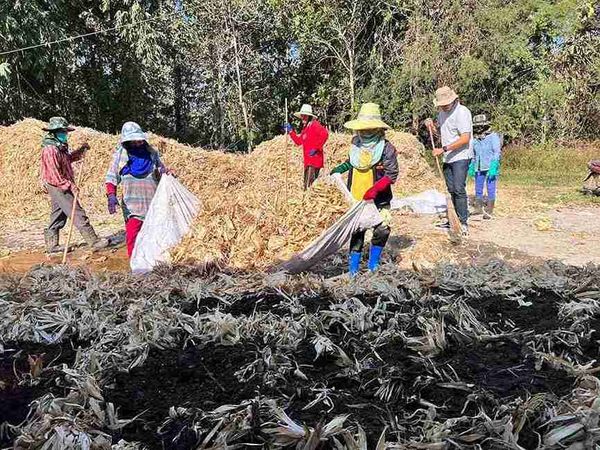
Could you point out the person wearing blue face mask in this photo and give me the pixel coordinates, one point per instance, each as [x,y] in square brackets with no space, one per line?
[59,182]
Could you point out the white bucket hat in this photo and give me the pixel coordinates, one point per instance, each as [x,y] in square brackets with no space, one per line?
[306,110]
[131,131]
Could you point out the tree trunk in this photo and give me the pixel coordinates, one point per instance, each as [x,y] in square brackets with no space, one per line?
[178,101]
[238,63]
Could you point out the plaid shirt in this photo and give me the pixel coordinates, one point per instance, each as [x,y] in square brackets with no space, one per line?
[137,192]
[56,166]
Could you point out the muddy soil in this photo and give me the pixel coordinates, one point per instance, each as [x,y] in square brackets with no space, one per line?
[507,314]
[28,371]
[204,378]
[198,377]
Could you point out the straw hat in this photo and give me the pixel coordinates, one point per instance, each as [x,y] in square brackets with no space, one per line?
[58,124]
[444,96]
[369,118]
[306,110]
[480,120]
[131,131]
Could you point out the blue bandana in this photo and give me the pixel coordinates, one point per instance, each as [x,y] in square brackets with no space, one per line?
[139,163]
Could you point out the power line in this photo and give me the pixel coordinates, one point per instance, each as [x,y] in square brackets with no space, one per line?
[81,36]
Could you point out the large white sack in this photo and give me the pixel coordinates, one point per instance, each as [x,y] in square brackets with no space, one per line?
[168,220]
[361,216]
[428,202]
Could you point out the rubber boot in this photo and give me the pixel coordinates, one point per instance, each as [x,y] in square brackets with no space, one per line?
[488,212]
[374,257]
[478,208]
[51,241]
[92,239]
[354,263]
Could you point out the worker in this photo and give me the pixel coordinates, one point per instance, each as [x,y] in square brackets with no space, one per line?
[372,168]
[137,167]
[312,138]
[456,128]
[59,182]
[485,166]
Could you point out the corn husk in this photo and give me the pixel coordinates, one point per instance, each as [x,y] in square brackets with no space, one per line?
[253,215]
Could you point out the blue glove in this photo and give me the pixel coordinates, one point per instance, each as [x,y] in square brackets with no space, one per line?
[312,152]
[494,169]
[288,128]
[471,172]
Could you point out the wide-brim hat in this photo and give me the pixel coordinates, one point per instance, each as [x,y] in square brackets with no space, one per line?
[131,131]
[480,120]
[369,118]
[306,110]
[58,124]
[444,96]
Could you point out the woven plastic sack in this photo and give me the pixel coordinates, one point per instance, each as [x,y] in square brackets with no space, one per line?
[428,202]
[361,216]
[169,218]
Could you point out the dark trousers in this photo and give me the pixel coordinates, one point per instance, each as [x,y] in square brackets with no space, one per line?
[456,180]
[381,233]
[310,175]
[62,204]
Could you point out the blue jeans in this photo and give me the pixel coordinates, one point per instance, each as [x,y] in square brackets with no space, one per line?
[480,180]
[456,180]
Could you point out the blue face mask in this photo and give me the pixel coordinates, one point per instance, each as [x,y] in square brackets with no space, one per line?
[62,136]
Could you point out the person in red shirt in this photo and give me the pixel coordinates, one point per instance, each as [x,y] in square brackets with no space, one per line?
[312,138]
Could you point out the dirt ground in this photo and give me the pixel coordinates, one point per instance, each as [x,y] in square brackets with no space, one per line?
[521,233]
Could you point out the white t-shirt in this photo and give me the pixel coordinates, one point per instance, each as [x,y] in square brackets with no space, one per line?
[452,125]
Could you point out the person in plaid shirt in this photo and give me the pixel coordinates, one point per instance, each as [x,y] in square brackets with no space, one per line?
[136,166]
[59,182]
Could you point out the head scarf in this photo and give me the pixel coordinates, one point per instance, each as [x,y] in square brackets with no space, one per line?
[366,150]
[51,139]
[139,162]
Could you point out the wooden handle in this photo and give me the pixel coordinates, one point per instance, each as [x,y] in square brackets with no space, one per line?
[437,159]
[287,159]
[75,199]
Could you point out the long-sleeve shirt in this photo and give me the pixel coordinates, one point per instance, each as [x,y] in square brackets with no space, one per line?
[487,149]
[312,138]
[137,192]
[57,170]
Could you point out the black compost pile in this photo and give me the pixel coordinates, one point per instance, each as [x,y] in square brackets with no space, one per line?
[479,357]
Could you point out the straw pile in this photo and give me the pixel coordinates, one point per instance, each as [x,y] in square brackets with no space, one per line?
[252,215]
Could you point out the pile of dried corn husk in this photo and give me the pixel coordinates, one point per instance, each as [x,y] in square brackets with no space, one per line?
[254,209]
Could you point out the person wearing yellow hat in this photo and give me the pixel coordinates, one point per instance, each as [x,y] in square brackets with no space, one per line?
[456,129]
[312,138]
[372,168]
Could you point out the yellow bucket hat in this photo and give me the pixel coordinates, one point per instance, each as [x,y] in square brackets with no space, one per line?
[369,118]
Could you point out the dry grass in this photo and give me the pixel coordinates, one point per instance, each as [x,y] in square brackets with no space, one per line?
[252,215]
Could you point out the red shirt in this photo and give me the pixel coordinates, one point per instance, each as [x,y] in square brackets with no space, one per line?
[312,138]
[56,166]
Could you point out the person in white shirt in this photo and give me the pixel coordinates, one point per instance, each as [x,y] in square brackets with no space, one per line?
[456,129]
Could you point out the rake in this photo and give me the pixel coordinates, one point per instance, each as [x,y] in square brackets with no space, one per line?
[453,220]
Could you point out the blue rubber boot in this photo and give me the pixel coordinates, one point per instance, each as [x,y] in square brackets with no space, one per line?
[374,257]
[354,263]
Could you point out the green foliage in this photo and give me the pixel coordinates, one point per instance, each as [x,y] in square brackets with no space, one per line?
[217,73]
[552,163]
